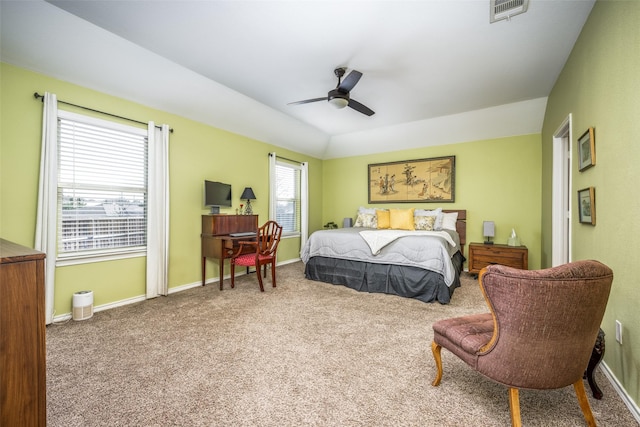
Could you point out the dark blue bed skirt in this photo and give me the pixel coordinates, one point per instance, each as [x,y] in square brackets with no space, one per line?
[409,282]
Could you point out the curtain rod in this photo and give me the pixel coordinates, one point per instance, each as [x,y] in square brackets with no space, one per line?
[36,95]
[284,158]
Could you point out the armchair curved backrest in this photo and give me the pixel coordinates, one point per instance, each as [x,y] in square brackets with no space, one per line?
[269,238]
[539,333]
[264,250]
[545,322]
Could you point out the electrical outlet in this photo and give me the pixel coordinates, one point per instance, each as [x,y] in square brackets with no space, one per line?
[619,332]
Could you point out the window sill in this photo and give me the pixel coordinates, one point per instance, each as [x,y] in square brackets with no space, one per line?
[290,235]
[91,258]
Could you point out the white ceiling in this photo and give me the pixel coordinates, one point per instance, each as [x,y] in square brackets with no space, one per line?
[434,71]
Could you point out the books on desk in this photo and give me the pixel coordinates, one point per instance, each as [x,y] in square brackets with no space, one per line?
[243,234]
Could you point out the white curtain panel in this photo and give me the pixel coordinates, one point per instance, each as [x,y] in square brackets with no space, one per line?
[45,239]
[304,209]
[158,212]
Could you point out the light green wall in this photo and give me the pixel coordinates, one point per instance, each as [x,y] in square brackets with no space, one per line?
[197,152]
[599,86]
[496,180]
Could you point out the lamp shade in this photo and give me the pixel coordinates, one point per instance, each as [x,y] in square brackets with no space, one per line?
[248,194]
[488,229]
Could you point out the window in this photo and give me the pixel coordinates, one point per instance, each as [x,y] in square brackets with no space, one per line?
[102,187]
[288,198]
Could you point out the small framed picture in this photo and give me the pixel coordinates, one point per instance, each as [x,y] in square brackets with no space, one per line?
[587,149]
[587,205]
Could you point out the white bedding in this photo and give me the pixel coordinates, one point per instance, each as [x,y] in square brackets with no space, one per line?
[428,250]
[378,239]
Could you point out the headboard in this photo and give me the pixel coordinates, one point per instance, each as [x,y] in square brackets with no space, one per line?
[461,226]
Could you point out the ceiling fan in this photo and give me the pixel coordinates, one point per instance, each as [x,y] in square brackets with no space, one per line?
[339,97]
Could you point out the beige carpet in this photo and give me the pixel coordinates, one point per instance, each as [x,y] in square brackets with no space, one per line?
[302,354]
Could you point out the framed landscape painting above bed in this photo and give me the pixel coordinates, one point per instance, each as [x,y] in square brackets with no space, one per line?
[424,180]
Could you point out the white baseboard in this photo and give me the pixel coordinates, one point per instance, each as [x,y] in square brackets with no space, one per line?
[189,286]
[289,261]
[67,316]
[633,407]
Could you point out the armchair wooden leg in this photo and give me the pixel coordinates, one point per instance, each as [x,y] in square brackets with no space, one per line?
[578,386]
[514,407]
[233,275]
[435,349]
[259,278]
[273,274]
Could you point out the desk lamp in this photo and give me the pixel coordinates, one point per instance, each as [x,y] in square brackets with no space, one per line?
[248,194]
[489,231]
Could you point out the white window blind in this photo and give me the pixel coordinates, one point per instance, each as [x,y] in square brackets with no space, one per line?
[288,199]
[102,187]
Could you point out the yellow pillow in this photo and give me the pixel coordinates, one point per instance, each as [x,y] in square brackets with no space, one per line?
[401,219]
[383,218]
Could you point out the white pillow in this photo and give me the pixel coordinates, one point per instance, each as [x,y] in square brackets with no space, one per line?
[449,220]
[368,211]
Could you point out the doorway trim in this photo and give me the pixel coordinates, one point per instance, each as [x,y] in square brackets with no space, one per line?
[561,195]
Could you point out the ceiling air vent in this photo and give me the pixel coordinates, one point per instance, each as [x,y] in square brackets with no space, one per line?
[505,9]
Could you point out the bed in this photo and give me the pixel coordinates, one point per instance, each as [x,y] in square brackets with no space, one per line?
[424,265]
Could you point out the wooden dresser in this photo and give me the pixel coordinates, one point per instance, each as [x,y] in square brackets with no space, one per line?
[22,336]
[216,240]
[481,255]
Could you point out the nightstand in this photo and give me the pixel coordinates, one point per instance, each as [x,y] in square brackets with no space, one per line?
[481,255]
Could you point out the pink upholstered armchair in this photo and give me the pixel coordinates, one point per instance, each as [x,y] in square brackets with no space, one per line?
[539,333]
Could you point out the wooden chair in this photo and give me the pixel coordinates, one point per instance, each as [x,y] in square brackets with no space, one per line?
[539,333]
[264,253]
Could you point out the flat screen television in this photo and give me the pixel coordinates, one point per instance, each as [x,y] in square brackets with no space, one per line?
[217,194]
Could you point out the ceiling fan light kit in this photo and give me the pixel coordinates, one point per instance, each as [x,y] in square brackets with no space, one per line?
[339,97]
[338,100]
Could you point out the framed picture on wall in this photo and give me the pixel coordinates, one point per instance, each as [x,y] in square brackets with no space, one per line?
[587,149]
[587,205]
[424,181]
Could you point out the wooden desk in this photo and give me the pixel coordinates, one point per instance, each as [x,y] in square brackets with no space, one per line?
[216,240]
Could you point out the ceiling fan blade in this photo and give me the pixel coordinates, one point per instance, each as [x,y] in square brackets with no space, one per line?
[350,81]
[361,108]
[306,101]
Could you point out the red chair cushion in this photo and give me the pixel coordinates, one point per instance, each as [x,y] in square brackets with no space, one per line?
[249,260]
